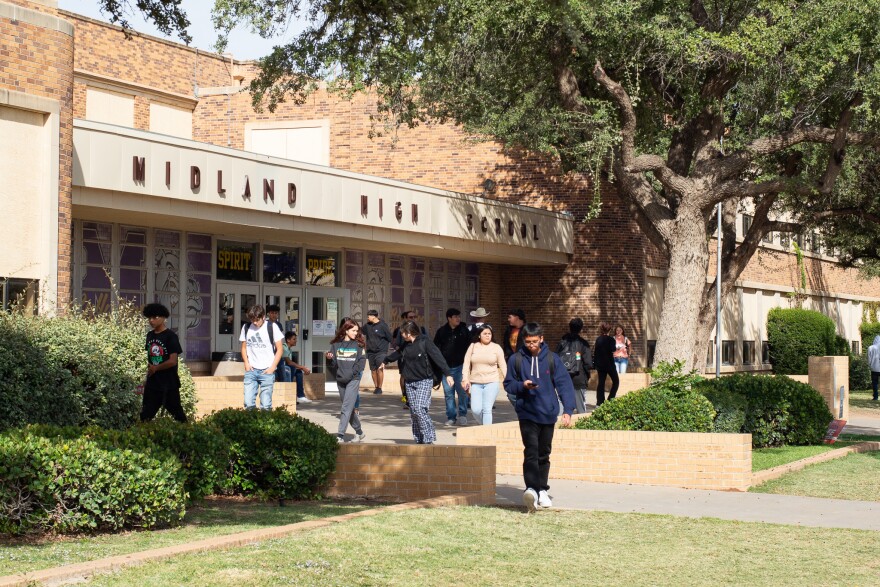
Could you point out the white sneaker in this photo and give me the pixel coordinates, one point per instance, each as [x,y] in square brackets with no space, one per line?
[303,400]
[340,439]
[544,500]
[360,437]
[462,421]
[450,422]
[529,499]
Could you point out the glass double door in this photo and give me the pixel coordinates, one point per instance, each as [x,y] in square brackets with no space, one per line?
[313,313]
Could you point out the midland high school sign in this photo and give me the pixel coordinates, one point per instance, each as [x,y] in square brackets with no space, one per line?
[188,173]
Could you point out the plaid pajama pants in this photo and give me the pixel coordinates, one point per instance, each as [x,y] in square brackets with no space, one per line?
[418,394]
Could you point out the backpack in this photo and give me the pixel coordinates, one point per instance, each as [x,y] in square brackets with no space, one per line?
[247,326]
[436,373]
[571,354]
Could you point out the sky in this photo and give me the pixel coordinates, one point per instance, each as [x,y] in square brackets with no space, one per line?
[242,43]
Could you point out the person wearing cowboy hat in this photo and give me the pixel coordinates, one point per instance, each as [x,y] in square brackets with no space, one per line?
[479,314]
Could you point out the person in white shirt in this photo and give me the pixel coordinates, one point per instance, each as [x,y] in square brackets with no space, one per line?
[261,351]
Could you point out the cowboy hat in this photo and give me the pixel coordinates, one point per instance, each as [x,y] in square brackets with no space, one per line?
[479,313]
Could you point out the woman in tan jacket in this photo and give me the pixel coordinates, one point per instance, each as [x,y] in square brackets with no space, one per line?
[480,377]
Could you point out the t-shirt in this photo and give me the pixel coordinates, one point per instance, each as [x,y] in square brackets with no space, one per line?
[289,353]
[160,346]
[260,352]
[514,337]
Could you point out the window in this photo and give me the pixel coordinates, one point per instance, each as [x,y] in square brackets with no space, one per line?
[785,240]
[816,241]
[280,266]
[652,347]
[307,141]
[321,269]
[747,224]
[748,352]
[765,352]
[19,293]
[728,352]
[710,356]
[110,107]
[768,238]
[171,120]
[235,261]
[855,347]
[799,239]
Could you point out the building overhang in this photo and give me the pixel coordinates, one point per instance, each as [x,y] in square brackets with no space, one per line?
[138,177]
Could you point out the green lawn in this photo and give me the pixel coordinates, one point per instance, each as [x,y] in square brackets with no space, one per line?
[500,547]
[767,458]
[211,518]
[855,476]
[860,402]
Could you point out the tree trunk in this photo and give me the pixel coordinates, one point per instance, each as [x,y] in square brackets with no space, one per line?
[685,291]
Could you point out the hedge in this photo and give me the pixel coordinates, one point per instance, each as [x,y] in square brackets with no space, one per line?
[75,485]
[859,373]
[778,410]
[868,330]
[276,454]
[76,369]
[795,335]
[652,409]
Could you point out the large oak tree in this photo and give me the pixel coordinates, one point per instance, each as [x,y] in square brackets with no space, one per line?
[760,105]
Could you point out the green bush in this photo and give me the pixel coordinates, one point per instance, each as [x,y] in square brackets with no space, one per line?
[868,330]
[76,369]
[859,372]
[276,454]
[795,335]
[653,408]
[779,410]
[202,451]
[730,410]
[74,485]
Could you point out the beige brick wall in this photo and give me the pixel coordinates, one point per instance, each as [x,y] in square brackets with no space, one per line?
[671,459]
[217,393]
[412,472]
[827,376]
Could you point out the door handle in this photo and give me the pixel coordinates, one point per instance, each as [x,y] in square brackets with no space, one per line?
[305,333]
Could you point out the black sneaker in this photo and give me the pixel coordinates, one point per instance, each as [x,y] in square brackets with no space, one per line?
[377,391]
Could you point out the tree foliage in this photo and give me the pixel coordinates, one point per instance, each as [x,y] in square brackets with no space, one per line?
[167,15]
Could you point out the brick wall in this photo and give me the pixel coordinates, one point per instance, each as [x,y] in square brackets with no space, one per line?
[411,472]
[217,393]
[39,61]
[670,459]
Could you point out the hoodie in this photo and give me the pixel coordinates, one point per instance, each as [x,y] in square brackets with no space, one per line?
[874,355]
[540,404]
[347,362]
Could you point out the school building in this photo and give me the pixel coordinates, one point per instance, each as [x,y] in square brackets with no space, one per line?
[139,168]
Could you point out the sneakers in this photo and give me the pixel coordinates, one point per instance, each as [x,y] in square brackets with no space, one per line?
[303,400]
[530,498]
[450,422]
[544,500]
[340,439]
[360,438]
[462,421]
[377,391]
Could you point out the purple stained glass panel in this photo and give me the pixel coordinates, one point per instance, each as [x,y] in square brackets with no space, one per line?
[396,261]
[354,274]
[201,242]
[454,267]
[375,259]
[198,326]
[133,236]
[97,231]
[95,278]
[418,279]
[133,256]
[417,263]
[417,296]
[436,265]
[397,277]
[198,261]
[132,279]
[198,349]
[136,299]
[472,268]
[99,300]
[167,239]
[470,290]
[397,295]
[354,257]
[96,253]
[198,283]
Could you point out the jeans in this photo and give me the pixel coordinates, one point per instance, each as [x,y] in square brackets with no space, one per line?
[449,392]
[288,374]
[257,381]
[537,442]
[875,378]
[482,399]
[621,364]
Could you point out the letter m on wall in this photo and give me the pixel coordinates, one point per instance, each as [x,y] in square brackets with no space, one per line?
[139,169]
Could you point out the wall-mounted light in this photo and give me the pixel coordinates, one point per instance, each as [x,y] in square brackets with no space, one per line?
[489,185]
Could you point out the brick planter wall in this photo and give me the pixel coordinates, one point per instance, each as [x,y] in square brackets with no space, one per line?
[413,472]
[672,459]
[217,393]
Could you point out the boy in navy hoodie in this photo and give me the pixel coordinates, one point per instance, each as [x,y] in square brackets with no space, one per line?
[538,380]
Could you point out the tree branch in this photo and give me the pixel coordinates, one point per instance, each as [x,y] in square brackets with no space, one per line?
[838,147]
[627,114]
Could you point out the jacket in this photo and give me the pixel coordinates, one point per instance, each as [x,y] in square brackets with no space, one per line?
[414,364]
[874,355]
[378,337]
[505,342]
[603,353]
[541,404]
[453,343]
[568,341]
[348,361]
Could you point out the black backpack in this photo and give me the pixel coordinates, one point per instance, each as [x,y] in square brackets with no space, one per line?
[571,353]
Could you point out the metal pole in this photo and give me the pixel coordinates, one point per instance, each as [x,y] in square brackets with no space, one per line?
[718,298]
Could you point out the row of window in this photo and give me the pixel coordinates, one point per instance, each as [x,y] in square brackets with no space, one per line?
[728,352]
[810,241]
[19,293]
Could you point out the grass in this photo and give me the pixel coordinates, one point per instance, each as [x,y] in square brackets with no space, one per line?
[210,518]
[767,458]
[860,402]
[855,476]
[492,546]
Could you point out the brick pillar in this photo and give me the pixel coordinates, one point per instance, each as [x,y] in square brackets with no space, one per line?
[827,374]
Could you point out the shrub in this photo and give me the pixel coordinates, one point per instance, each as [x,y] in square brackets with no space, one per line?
[75,485]
[779,410]
[730,410]
[276,454]
[859,372]
[76,369]
[868,330]
[653,408]
[795,335]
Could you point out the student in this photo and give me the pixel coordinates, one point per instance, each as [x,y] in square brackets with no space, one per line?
[162,387]
[291,370]
[273,311]
[575,353]
[419,356]
[622,349]
[603,361]
[379,338]
[539,381]
[405,316]
[261,351]
[512,341]
[482,363]
[347,359]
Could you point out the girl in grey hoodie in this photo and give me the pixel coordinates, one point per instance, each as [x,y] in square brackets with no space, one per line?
[347,359]
[874,363]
